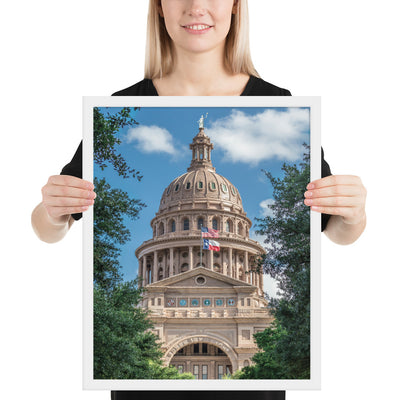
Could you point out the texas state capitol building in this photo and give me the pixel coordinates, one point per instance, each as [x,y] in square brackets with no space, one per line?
[205,308]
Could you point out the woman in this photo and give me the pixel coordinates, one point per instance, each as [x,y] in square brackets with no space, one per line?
[200,48]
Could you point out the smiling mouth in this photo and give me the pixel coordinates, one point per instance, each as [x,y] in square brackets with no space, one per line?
[197,27]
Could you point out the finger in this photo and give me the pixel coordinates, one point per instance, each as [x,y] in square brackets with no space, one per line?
[67,202]
[334,180]
[68,191]
[334,191]
[335,202]
[56,212]
[68,180]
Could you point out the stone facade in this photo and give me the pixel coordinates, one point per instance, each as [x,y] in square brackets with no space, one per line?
[205,306]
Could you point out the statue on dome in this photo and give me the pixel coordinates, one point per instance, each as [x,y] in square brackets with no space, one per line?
[201,121]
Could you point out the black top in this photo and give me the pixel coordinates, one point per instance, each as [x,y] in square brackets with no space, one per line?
[254,87]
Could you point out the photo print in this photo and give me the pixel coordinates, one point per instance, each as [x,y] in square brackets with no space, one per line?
[200,257]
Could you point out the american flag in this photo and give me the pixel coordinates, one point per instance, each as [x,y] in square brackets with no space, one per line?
[206,232]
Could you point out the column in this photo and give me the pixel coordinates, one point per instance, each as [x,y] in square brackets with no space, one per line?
[144,269]
[246,266]
[230,262]
[154,274]
[190,257]
[171,261]
[212,370]
[237,265]
[223,252]
[140,270]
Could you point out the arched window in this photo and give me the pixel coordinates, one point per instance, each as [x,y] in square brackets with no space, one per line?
[186,224]
[228,226]
[200,223]
[240,229]
[161,228]
[215,223]
[173,226]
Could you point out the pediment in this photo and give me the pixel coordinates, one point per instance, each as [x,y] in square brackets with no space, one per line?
[188,279]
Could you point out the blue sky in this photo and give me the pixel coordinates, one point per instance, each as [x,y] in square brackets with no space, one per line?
[246,140]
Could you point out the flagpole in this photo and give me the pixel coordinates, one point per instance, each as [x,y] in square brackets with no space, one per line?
[201,244]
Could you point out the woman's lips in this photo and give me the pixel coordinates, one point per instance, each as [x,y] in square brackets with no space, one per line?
[197,28]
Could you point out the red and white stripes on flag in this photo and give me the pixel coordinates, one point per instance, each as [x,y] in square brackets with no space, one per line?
[206,232]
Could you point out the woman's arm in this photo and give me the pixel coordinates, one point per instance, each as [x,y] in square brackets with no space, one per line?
[343,197]
[62,196]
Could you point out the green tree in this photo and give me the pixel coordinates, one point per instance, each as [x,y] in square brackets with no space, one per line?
[109,231]
[124,346]
[105,140]
[286,346]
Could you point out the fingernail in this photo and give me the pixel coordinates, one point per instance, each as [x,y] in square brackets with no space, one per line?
[310,186]
[308,202]
[308,194]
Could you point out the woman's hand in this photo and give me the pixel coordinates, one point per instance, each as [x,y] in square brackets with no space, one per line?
[64,195]
[343,197]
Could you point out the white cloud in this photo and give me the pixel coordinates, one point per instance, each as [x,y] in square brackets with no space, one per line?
[151,139]
[266,210]
[269,134]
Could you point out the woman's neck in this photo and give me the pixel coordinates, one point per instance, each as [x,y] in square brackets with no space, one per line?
[200,74]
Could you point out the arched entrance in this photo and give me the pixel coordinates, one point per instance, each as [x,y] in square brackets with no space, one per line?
[205,357]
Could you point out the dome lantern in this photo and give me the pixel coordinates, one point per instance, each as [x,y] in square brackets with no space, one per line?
[201,147]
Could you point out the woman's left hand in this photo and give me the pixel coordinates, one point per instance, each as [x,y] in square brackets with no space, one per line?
[343,197]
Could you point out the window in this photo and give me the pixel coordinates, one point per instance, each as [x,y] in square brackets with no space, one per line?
[180,369]
[213,186]
[196,348]
[186,224]
[228,226]
[188,185]
[224,188]
[215,223]
[204,348]
[200,223]
[220,371]
[205,372]
[233,190]
[161,229]
[173,226]
[196,371]
[200,185]
[177,187]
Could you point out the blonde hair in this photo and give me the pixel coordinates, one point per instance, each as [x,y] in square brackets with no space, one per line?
[160,58]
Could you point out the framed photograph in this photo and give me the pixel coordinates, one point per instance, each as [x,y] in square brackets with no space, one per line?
[201,261]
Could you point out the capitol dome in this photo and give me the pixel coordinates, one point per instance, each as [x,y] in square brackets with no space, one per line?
[201,182]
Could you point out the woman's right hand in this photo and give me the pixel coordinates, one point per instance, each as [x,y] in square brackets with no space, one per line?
[64,195]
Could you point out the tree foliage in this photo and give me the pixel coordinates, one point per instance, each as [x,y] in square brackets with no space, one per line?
[110,232]
[124,346]
[105,140]
[285,347]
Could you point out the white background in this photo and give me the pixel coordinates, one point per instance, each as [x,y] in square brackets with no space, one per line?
[53,53]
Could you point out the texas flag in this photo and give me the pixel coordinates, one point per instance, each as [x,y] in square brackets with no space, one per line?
[210,245]
[206,232]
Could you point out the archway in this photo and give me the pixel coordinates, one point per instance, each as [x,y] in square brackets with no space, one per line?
[205,356]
